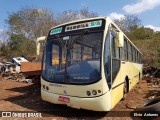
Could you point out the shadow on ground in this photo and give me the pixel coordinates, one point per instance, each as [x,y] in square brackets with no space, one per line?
[30,99]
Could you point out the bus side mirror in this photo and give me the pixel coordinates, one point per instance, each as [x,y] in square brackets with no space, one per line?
[120,39]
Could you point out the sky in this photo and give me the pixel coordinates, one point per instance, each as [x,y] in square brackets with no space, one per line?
[147,10]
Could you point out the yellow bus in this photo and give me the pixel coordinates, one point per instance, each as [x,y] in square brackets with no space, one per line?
[89,64]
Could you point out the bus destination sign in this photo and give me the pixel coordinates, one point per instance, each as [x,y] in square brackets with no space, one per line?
[56,31]
[91,24]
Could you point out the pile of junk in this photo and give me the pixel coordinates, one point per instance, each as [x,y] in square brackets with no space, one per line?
[20,69]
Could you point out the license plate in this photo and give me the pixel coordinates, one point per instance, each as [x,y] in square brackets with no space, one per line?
[64,99]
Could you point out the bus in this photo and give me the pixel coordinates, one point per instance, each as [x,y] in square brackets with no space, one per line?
[89,64]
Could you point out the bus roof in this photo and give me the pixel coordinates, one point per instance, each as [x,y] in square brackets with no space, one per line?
[95,18]
[81,20]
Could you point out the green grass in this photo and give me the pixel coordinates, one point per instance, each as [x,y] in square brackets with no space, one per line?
[150,51]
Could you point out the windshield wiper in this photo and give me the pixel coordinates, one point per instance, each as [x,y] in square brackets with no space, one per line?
[78,38]
[60,40]
[64,46]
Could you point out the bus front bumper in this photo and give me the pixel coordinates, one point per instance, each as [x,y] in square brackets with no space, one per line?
[101,103]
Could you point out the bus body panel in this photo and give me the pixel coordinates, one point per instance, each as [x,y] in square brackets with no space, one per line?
[74,90]
[134,73]
[117,94]
[129,69]
[90,103]
[117,86]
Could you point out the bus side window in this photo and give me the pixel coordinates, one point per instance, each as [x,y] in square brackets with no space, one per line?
[115,58]
[107,60]
[132,53]
[129,52]
[125,50]
[137,57]
[115,50]
[113,47]
[121,53]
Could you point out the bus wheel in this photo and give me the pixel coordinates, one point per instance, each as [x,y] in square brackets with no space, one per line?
[125,90]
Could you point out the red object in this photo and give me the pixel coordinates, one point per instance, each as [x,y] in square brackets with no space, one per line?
[31,68]
[64,99]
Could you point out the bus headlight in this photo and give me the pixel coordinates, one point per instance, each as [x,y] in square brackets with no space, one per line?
[94,92]
[88,93]
[99,91]
[47,88]
[43,86]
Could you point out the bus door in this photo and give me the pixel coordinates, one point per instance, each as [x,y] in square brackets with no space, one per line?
[117,83]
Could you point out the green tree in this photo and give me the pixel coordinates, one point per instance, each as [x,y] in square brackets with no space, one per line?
[156,35]
[18,46]
[30,22]
[140,33]
[71,15]
[128,23]
[24,26]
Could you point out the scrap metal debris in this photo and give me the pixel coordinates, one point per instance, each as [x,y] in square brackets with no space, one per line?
[151,71]
[20,69]
[152,75]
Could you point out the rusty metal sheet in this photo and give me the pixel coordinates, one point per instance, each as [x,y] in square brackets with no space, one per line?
[31,68]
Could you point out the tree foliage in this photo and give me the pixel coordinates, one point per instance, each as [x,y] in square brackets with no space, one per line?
[18,46]
[156,35]
[71,15]
[30,22]
[128,23]
[24,26]
[140,33]
[146,39]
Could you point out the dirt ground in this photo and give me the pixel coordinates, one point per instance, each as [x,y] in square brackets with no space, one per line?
[22,97]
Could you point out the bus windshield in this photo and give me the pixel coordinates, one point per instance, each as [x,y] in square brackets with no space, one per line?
[73,59]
